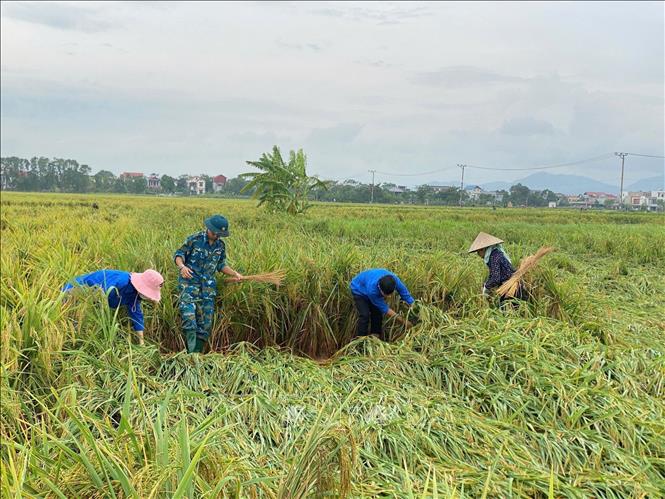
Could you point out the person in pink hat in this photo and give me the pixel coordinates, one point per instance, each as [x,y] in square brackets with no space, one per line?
[124,288]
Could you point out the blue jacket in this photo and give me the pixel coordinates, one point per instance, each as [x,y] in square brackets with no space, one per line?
[120,291]
[367,284]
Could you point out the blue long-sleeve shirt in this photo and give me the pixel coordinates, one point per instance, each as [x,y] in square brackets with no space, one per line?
[500,270]
[367,284]
[117,285]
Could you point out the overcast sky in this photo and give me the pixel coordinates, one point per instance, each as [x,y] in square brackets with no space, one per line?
[397,87]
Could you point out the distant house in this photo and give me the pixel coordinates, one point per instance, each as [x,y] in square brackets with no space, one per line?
[441,188]
[154,183]
[474,192]
[489,197]
[196,185]
[399,189]
[131,175]
[658,195]
[645,200]
[551,204]
[599,197]
[218,183]
[577,200]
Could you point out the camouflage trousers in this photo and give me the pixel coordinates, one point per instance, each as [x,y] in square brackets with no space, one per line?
[197,309]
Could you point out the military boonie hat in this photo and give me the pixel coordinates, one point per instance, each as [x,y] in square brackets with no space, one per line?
[217,224]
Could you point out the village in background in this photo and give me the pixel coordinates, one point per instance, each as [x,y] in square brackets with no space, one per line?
[59,175]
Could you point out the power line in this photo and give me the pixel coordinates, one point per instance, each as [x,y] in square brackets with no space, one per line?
[644,155]
[439,170]
[623,155]
[559,165]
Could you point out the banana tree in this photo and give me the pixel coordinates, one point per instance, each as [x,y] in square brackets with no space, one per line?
[282,186]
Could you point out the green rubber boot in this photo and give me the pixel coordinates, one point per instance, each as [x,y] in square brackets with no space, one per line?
[190,341]
[200,345]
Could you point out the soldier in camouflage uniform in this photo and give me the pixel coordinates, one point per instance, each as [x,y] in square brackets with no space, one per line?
[202,255]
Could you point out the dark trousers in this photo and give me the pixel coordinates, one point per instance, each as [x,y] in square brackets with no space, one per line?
[368,315]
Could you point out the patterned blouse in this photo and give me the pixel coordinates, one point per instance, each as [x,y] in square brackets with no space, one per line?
[500,270]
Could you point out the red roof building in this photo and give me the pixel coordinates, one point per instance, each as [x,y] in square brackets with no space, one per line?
[598,195]
[126,175]
[218,183]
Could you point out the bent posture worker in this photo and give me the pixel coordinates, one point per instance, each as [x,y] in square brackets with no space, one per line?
[124,288]
[370,289]
[490,249]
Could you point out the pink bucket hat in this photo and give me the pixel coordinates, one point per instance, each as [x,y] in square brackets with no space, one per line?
[148,283]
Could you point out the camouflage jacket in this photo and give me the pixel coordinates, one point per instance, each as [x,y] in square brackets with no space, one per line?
[204,259]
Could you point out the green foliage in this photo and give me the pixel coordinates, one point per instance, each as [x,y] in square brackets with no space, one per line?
[103,181]
[136,185]
[44,174]
[282,187]
[181,184]
[167,184]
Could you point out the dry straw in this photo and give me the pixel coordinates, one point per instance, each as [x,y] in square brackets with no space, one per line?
[510,287]
[275,277]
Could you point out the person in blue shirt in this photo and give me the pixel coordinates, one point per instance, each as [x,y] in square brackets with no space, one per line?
[370,289]
[124,288]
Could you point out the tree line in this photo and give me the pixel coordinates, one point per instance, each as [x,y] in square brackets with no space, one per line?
[41,174]
[68,175]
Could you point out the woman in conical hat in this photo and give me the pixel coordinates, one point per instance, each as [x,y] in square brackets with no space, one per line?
[490,249]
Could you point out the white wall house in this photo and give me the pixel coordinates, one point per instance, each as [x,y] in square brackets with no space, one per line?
[196,185]
[644,199]
[475,193]
[154,182]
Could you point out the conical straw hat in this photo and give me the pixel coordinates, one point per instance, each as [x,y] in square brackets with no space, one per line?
[484,240]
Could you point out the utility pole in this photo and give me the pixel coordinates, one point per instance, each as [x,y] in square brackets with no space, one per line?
[461,192]
[372,195]
[622,155]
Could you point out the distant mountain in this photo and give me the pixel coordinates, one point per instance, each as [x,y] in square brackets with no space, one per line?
[498,186]
[566,184]
[646,184]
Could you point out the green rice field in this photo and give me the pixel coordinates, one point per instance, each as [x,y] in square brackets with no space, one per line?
[563,397]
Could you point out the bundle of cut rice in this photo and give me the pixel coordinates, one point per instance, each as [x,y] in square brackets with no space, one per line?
[509,288]
[275,277]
